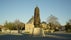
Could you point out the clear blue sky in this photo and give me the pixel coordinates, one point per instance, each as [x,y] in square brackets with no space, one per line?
[23,10]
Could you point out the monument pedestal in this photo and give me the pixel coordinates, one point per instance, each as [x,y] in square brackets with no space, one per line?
[38,32]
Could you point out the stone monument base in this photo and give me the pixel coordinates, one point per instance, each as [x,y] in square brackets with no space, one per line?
[38,32]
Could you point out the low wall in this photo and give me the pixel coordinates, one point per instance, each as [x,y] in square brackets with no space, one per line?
[12,31]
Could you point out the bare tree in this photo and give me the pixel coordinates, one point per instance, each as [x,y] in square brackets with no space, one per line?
[53,22]
[69,21]
[68,26]
[17,25]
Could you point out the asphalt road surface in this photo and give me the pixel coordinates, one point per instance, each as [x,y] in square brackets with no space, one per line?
[49,36]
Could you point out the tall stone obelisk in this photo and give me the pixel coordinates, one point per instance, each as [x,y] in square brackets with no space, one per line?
[36,17]
[37,30]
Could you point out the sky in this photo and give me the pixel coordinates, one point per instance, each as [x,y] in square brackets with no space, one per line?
[10,10]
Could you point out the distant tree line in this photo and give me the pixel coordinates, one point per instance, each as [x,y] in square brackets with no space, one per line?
[52,24]
[68,26]
[14,25]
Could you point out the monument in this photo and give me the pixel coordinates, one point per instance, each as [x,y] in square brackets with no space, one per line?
[37,30]
[36,17]
[34,25]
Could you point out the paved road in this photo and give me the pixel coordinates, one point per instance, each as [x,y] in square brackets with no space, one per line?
[29,37]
